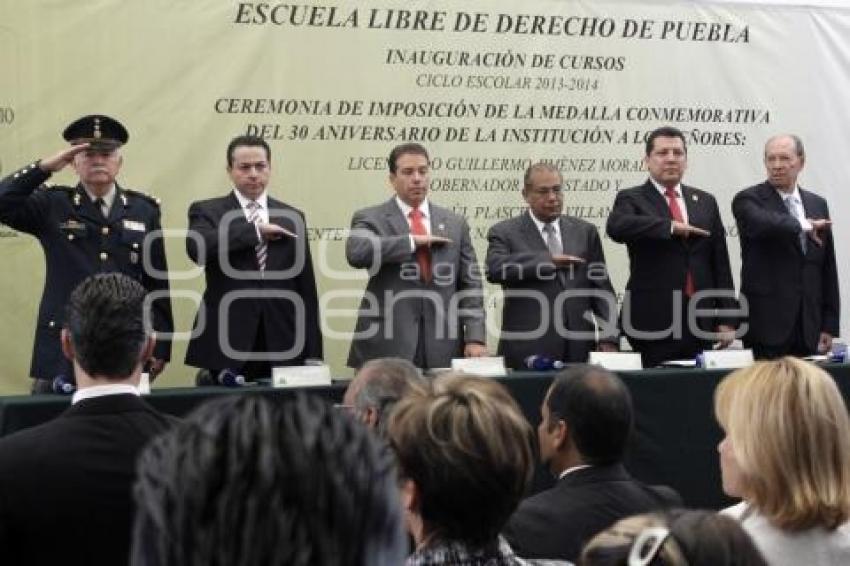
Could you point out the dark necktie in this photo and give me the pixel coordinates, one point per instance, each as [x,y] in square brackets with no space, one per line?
[101,207]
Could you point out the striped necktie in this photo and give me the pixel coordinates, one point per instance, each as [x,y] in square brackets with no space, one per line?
[261,249]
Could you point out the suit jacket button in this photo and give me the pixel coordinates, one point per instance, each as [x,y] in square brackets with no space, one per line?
[105,230]
[70,237]
[104,256]
[135,245]
[51,324]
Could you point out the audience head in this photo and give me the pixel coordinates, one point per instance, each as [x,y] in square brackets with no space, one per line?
[465,458]
[245,482]
[105,332]
[586,419]
[377,387]
[677,538]
[787,444]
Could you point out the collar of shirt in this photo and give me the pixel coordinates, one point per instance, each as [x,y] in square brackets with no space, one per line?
[108,198]
[794,195]
[540,225]
[663,190]
[680,197]
[406,208]
[571,470]
[262,200]
[103,390]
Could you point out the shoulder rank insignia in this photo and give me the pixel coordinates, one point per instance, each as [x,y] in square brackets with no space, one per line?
[150,198]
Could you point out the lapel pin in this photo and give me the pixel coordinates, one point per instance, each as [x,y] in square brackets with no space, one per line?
[124,200]
[694,197]
[76,199]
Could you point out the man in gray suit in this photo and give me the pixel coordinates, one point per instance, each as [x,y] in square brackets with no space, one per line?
[424,300]
[552,270]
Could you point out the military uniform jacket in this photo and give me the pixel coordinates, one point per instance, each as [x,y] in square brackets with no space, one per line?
[78,241]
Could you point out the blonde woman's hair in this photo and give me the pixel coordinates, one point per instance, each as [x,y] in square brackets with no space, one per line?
[468,448]
[790,435]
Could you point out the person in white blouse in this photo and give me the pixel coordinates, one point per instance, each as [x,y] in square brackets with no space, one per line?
[786,453]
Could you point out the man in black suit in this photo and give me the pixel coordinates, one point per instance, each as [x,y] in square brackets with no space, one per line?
[788,271]
[260,308]
[586,423]
[93,227]
[678,260]
[553,273]
[65,485]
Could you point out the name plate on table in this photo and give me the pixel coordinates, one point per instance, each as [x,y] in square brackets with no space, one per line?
[616,361]
[301,376]
[487,366]
[727,359]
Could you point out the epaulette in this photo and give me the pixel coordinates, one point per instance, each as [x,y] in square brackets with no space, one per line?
[150,198]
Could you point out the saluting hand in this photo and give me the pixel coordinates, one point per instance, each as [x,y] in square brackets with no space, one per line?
[58,162]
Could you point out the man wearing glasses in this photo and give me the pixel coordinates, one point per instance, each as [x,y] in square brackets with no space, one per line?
[552,270]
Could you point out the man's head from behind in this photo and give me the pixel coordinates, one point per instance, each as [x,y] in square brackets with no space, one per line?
[586,419]
[245,482]
[378,386]
[105,334]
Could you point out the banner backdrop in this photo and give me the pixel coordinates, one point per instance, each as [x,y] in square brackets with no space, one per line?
[488,86]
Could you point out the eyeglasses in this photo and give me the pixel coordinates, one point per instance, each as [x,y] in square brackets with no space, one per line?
[647,545]
[546,191]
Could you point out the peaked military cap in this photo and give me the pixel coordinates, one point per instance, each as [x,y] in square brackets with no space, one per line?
[102,132]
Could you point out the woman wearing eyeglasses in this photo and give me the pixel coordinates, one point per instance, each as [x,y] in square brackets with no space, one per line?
[675,538]
[787,455]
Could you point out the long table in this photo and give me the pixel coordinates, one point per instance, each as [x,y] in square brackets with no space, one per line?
[675,438]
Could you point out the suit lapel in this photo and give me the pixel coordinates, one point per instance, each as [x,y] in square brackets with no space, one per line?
[654,198]
[773,201]
[531,234]
[395,219]
[694,206]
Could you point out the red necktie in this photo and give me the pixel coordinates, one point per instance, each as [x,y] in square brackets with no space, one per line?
[676,213]
[423,254]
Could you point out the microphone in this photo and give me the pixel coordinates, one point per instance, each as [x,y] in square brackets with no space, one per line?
[229,378]
[63,385]
[543,363]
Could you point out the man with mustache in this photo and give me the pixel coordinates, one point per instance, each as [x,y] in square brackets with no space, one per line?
[96,226]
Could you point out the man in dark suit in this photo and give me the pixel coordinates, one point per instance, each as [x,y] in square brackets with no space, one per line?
[788,272]
[553,273]
[586,423]
[260,308]
[678,260]
[65,485]
[423,301]
[95,227]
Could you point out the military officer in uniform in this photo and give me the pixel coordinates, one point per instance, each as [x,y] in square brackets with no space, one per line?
[96,226]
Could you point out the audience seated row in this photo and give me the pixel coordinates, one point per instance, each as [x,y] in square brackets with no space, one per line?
[245,481]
